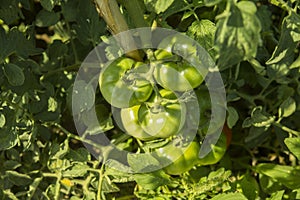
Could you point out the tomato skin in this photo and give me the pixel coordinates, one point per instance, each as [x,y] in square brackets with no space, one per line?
[182,160]
[121,91]
[217,152]
[176,76]
[130,122]
[162,119]
[143,123]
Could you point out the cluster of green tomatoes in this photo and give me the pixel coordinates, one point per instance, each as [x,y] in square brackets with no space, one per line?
[153,98]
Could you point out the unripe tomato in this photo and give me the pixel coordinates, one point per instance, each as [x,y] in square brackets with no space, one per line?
[217,151]
[161,118]
[119,85]
[131,124]
[156,118]
[182,159]
[176,76]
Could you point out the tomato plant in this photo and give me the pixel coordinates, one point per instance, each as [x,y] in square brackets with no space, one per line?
[253,45]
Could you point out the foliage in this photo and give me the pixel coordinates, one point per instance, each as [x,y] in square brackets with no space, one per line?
[256,47]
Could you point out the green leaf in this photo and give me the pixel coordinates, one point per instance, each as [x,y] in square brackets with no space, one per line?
[256,136]
[258,118]
[203,32]
[2,120]
[102,123]
[17,178]
[141,163]
[249,186]
[11,164]
[286,175]
[78,170]
[49,4]
[151,181]
[231,196]
[211,2]
[69,10]
[108,186]
[287,108]
[277,195]
[10,12]
[296,194]
[46,18]
[238,33]
[82,102]
[9,138]
[233,116]
[257,67]
[80,155]
[158,6]
[14,74]
[296,63]
[283,55]
[294,146]
[89,25]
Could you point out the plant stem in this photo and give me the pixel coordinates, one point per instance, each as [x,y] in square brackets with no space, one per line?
[100,183]
[57,186]
[135,11]
[110,11]
[287,129]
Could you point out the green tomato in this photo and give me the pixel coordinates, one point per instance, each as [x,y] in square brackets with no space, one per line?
[130,122]
[181,45]
[217,151]
[176,76]
[119,85]
[181,159]
[161,116]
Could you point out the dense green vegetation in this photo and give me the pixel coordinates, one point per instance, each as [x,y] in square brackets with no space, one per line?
[255,45]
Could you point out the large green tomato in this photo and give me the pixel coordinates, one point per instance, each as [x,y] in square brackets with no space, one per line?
[181,159]
[131,124]
[119,85]
[176,76]
[217,151]
[161,116]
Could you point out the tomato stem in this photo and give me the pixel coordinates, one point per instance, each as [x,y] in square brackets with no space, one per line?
[112,15]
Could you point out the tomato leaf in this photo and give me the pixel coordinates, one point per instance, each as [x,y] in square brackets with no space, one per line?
[233,116]
[46,18]
[238,33]
[283,55]
[259,118]
[203,32]
[277,195]
[294,146]
[150,181]
[14,74]
[233,196]
[78,170]
[211,2]
[49,4]
[141,163]
[286,175]
[2,120]
[18,179]
[158,6]
[287,108]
